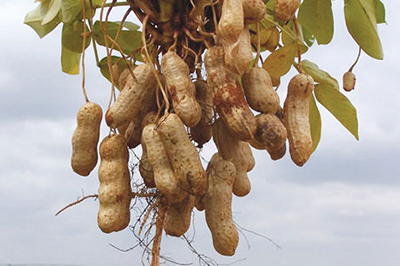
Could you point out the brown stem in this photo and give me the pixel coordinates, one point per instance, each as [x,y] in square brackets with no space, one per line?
[155,251]
[76,202]
[298,43]
[358,57]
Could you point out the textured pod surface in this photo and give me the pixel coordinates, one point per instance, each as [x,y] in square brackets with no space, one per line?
[115,190]
[164,176]
[248,155]
[183,154]
[215,67]
[177,217]
[232,20]
[349,81]
[278,153]
[201,133]
[270,133]
[285,9]
[259,92]
[218,205]
[85,138]
[253,10]
[133,97]
[234,111]
[239,55]
[296,118]
[230,149]
[181,88]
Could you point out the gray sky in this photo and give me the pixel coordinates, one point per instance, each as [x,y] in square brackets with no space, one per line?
[341,208]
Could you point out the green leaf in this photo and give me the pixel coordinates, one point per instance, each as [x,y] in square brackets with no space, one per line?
[380,12]
[319,75]
[54,9]
[338,105]
[315,122]
[361,20]
[280,61]
[317,17]
[103,64]
[129,40]
[71,9]
[72,38]
[35,18]
[70,61]
[309,38]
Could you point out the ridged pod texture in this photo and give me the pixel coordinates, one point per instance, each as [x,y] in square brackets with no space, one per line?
[218,205]
[253,10]
[296,118]
[349,81]
[285,9]
[230,149]
[234,111]
[201,133]
[177,217]
[270,134]
[259,92]
[215,67]
[232,20]
[239,55]
[133,97]
[85,138]
[145,168]
[165,178]
[182,154]
[181,88]
[115,190]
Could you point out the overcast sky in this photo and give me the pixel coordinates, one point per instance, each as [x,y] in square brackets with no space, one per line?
[341,208]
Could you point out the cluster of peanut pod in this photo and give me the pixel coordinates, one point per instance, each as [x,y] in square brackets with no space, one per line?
[171,116]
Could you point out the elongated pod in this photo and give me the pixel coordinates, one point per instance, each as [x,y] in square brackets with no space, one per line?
[238,55]
[115,190]
[259,92]
[181,88]
[234,111]
[270,133]
[230,149]
[232,20]
[133,97]
[183,154]
[177,216]
[85,138]
[165,178]
[215,67]
[218,205]
[296,118]
[201,133]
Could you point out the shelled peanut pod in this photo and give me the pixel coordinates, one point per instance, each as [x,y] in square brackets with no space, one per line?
[135,94]
[285,9]
[178,216]
[238,55]
[231,22]
[231,150]
[165,177]
[85,138]
[253,10]
[218,205]
[215,67]
[296,118]
[181,88]
[235,112]
[145,168]
[115,189]
[182,154]
[259,92]
[270,133]
[201,133]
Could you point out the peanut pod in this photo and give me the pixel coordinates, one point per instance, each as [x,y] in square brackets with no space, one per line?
[238,55]
[218,205]
[285,9]
[115,190]
[133,97]
[253,10]
[177,217]
[182,154]
[85,138]
[296,118]
[232,20]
